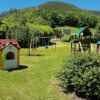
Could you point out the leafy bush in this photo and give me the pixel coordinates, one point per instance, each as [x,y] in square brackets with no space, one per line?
[81,73]
[40,29]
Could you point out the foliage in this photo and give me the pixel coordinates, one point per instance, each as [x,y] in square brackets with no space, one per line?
[3,28]
[98,31]
[52,18]
[59,6]
[40,29]
[81,73]
[87,19]
[74,29]
[39,21]
[21,23]
[98,28]
[22,30]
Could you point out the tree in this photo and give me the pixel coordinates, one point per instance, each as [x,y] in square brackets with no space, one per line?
[71,19]
[98,31]
[3,30]
[40,21]
[0,22]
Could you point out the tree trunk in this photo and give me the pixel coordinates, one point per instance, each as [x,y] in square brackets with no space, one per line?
[28,47]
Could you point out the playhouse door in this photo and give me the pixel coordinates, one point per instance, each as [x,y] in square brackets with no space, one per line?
[10,61]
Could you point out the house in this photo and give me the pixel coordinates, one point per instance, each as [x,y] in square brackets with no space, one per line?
[9,54]
[66,31]
[59,33]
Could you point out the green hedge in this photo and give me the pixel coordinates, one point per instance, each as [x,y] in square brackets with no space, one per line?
[81,74]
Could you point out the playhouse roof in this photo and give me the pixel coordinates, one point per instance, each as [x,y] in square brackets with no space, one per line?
[5,42]
[85,31]
[98,42]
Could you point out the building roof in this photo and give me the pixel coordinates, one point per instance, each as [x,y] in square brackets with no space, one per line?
[85,31]
[98,42]
[79,31]
[5,42]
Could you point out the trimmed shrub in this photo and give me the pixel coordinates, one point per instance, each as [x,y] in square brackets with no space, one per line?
[81,74]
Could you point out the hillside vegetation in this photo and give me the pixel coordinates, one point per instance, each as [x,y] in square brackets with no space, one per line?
[59,6]
[29,22]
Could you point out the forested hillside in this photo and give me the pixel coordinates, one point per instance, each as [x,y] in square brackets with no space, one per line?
[22,24]
[59,6]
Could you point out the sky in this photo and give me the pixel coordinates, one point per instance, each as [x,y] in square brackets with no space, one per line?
[6,5]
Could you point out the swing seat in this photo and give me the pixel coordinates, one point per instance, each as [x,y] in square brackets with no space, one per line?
[34,49]
[46,46]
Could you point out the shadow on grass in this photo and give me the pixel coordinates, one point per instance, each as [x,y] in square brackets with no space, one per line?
[21,67]
[77,96]
[35,55]
[81,96]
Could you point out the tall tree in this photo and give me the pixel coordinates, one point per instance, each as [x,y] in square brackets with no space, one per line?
[98,31]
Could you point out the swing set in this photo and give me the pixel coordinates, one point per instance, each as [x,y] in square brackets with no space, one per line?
[40,41]
[43,41]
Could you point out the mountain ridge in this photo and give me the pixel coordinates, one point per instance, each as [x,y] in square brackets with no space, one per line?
[58,5]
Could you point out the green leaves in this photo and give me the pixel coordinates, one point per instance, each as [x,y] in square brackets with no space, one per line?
[82,72]
[40,29]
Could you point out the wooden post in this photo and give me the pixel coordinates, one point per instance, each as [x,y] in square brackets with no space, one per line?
[28,47]
[71,47]
[92,47]
[55,46]
[97,48]
[74,47]
[31,44]
[90,44]
[55,42]
[81,47]
[36,42]
[42,41]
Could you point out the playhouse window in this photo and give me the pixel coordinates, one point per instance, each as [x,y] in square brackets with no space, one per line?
[10,55]
[10,47]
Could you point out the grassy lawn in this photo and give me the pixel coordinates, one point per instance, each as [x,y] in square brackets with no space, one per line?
[38,81]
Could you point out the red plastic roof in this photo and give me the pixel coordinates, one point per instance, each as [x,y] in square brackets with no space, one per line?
[5,42]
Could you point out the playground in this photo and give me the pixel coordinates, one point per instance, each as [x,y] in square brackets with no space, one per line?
[49,50]
[35,78]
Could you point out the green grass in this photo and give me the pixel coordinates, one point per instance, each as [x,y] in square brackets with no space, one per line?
[38,81]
